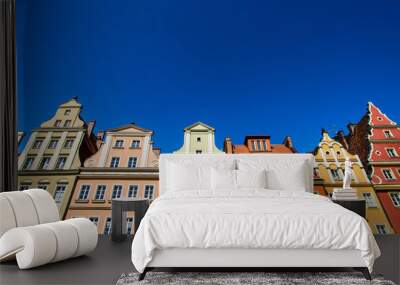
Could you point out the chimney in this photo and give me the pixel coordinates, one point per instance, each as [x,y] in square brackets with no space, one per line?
[90,127]
[228,148]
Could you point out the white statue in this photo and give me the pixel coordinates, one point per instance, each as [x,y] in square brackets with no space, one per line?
[347,174]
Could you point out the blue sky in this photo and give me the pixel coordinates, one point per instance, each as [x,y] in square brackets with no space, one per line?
[244,67]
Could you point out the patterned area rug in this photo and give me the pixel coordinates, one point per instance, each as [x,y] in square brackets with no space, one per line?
[228,278]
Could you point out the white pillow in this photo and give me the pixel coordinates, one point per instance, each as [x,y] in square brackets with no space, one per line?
[293,181]
[182,177]
[251,178]
[223,179]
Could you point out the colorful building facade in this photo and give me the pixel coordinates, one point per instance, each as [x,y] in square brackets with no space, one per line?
[330,156]
[54,152]
[376,139]
[259,144]
[199,138]
[126,166]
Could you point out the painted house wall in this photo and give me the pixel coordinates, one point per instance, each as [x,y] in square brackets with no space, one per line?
[331,155]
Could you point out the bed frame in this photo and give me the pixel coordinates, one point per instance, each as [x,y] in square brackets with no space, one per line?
[240,259]
[246,259]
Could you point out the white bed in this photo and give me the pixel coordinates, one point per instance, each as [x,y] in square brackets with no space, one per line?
[202,220]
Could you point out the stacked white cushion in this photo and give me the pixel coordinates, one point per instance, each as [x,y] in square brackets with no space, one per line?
[31,232]
[223,179]
[251,178]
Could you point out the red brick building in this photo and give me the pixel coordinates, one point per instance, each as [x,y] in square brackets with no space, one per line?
[259,144]
[376,139]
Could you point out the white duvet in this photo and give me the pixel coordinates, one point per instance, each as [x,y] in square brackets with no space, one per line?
[250,219]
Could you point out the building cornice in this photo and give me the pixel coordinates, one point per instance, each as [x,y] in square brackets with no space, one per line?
[387,187]
[119,173]
[385,141]
[355,185]
[60,129]
[385,163]
[384,127]
[47,172]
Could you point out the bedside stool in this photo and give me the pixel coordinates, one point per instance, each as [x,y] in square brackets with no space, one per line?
[356,205]
[119,207]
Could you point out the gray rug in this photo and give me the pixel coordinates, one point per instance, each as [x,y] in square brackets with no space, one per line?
[228,278]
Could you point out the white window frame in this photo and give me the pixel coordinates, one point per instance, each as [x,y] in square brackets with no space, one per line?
[369,200]
[254,145]
[108,226]
[67,123]
[114,163]
[335,174]
[135,144]
[130,159]
[84,192]
[133,191]
[57,123]
[100,192]
[53,144]
[26,166]
[45,165]
[24,186]
[388,134]
[129,225]
[265,145]
[67,112]
[43,186]
[59,164]
[69,142]
[37,143]
[381,229]
[395,197]
[120,191]
[59,195]
[150,197]
[119,143]
[390,172]
[391,152]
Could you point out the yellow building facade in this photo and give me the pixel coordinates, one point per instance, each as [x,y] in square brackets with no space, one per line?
[330,156]
[54,153]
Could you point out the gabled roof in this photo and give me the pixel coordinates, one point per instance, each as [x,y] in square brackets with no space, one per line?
[128,126]
[199,123]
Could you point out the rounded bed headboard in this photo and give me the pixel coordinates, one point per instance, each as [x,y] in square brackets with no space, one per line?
[285,162]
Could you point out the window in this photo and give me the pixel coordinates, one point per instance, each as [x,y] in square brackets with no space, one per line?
[388,134]
[61,162]
[379,118]
[388,174]
[148,191]
[45,163]
[381,229]
[28,163]
[43,186]
[37,144]
[119,143]
[132,191]
[129,223]
[68,143]
[67,112]
[395,196]
[24,186]
[116,193]
[94,220]
[254,146]
[132,162]
[335,174]
[114,162]
[259,145]
[53,144]
[58,195]
[369,200]
[198,139]
[135,144]
[67,123]
[198,151]
[83,195]
[101,189]
[391,152]
[107,227]
[265,145]
[57,123]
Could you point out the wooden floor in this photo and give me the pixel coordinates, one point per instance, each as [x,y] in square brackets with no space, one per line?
[111,259]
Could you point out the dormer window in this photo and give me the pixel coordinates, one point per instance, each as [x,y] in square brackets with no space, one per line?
[67,112]
[259,145]
[57,123]
[119,144]
[254,146]
[265,145]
